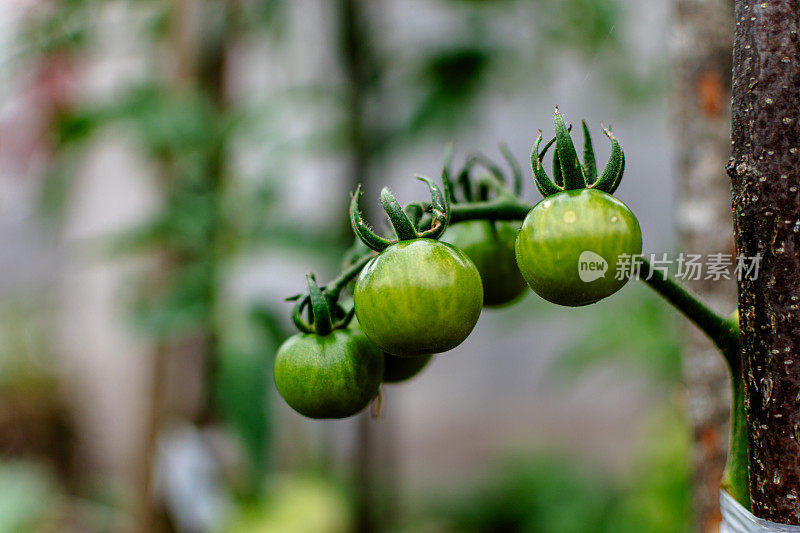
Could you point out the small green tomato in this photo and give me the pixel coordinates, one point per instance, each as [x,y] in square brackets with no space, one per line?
[418,297]
[328,376]
[490,245]
[571,243]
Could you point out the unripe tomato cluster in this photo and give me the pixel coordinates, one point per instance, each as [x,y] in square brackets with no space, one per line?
[420,296]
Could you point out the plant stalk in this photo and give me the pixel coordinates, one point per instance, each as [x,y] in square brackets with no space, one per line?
[724,333]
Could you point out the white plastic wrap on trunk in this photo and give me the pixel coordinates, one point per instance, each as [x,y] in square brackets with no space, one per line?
[737,519]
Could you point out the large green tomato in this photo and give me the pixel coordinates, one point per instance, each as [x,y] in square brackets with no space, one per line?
[418,297]
[571,244]
[397,369]
[491,248]
[330,376]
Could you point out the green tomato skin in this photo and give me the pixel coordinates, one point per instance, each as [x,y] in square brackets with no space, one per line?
[397,369]
[331,376]
[418,297]
[559,229]
[491,247]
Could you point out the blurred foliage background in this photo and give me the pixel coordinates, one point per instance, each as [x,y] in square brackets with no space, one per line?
[245,124]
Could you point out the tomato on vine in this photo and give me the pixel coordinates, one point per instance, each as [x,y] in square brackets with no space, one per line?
[398,369]
[571,243]
[328,370]
[331,376]
[418,296]
[490,245]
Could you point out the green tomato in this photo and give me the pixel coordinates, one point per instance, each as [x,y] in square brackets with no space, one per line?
[397,369]
[330,376]
[418,297]
[491,248]
[571,243]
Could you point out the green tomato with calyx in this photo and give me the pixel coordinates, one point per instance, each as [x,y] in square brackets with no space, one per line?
[571,243]
[418,297]
[328,376]
[490,245]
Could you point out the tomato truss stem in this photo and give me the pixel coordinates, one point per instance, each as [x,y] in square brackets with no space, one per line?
[334,288]
[497,209]
[324,301]
[722,332]
[429,220]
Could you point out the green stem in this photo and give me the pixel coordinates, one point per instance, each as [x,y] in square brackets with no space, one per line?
[724,333]
[321,311]
[736,478]
[498,209]
[334,288]
[719,329]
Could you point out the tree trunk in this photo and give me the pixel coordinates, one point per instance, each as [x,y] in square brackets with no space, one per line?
[702,38]
[765,177]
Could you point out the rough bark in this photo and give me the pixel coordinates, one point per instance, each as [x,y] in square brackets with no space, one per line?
[765,177]
[703,32]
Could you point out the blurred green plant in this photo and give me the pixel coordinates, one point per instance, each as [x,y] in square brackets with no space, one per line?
[399,93]
[29,498]
[394,96]
[657,498]
[245,365]
[549,492]
[297,503]
[207,219]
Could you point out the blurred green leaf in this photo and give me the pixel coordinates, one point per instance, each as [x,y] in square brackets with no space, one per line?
[243,379]
[658,498]
[63,27]
[182,306]
[268,15]
[587,26]
[451,79]
[549,493]
[76,125]
[171,122]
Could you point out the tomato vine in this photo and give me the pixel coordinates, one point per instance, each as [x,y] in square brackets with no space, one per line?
[413,304]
